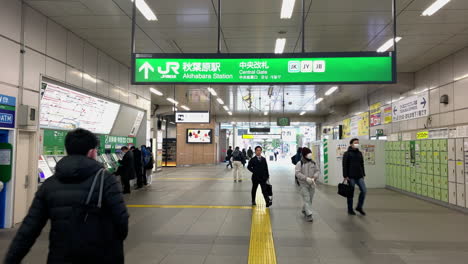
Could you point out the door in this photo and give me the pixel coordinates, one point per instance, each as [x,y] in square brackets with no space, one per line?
[452,193]
[461,195]
[451,149]
[26,169]
[451,171]
[459,149]
[460,172]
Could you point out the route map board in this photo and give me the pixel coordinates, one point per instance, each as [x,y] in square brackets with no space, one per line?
[66,109]
[319,68]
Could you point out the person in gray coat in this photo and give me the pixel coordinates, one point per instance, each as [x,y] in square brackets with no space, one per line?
[307,172]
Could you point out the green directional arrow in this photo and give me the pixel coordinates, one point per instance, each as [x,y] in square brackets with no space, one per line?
[146,67]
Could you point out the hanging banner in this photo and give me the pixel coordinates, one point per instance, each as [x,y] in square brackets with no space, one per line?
[342,67]
[411,107]
[346,128]
[354,126]
[363,124]
[387,114]
[375,114]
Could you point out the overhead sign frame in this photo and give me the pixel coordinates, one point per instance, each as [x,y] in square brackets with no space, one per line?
[189,113]
[143,69]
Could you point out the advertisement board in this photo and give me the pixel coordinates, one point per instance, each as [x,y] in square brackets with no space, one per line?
[375,114]
[199,136]
[192,117]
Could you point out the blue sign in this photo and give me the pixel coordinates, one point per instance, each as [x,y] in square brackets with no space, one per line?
[7,100]
[7,118]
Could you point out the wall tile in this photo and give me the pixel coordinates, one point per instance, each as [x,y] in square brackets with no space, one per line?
[35,26]
[10,19]
[435,120]
[103,88]
[55,69]
[9,90]
[434,101]
[74,77]
[404,125]
[123,95]
[396,127]
[90,60]
[56,41]
[446,70]
[132,99]
[421,80]
[103,66]
[31,98]
[124,75]
[140,90]
[460,94]
[446,119]
[114,92]
[9,62]
[433,75]
[421,122]
[460,63]
[412,124]
[89,83]
[34,66]
[75,48]
[461,116]
[448,90]
[114,72]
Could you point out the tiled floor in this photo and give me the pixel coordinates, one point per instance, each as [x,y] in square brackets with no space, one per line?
[397,230]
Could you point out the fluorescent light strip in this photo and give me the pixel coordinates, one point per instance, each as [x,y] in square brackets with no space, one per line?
[436,6]
[186,108]
[318,100]
[287,9]
[265,113]
[302,113]
[220,101]
[145,10]
[230,113]
[212,91]
[388,44]
[226,108]
[279,47]
[156,92]
[172,101]
[331,90]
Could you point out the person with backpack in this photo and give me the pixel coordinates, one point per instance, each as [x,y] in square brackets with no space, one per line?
[260,175]
[147,161]
[237,160]
[149,166]
[250,153]
[84,204]
[354,173]
[295,159]
[307,172]
[229,156]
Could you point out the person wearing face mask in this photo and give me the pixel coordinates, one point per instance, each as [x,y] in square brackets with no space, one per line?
[354,173]
[307,172]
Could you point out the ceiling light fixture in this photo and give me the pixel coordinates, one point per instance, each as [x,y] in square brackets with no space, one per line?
[145,10]
[388,44]
[220,101]
[265,113]
[212,91]
[156,92]
[172,101]
[432,9]
[331,90]
[226,108]
[302,113]
[318,100]
[185,108]
[230,113]
[279,47]
[358,113]
[287,9]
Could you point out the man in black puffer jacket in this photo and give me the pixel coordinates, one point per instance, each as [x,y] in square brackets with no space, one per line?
[60,194]
[354,173]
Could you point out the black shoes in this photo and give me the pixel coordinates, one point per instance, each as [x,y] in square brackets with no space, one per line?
[360,211]
[254,204]
[351,212]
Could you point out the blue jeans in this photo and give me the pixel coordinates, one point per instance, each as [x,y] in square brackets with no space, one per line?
[362,187]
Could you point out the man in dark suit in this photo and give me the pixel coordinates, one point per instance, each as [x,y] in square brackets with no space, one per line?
[138,165]
[260,175]
[127,169]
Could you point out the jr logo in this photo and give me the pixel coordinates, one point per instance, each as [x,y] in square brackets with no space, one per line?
[174,66]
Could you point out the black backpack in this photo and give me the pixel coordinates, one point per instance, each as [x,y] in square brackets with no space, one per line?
[293,160]
[237,155]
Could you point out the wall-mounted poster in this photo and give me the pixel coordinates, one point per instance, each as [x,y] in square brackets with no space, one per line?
[199,136]
[387,114]
[375,114]
[368,152]
[363,124]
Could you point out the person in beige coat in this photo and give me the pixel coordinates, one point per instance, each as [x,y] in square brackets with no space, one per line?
[307,172]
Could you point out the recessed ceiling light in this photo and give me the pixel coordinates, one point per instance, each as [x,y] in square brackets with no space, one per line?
[212,91]
[185,107]
[156,92]
[230,113]
[279,47]
[145,10]
[265,113]
[302,113]
[318,100]
[388,44]
[287,9]
[172,101]
[226,108]
[331,90]
[220,101]
[436,6]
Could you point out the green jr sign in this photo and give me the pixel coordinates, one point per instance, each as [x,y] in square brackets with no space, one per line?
[319,68]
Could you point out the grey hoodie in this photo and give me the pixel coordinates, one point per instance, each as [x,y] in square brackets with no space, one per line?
[307,169]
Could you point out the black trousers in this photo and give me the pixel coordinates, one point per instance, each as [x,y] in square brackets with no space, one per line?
[125,183]
[139,176]
[262,184]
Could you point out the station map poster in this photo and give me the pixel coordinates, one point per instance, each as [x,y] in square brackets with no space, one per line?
[66,109]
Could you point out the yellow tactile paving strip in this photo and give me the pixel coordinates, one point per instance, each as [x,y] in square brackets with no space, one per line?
[189,206]
[262,247]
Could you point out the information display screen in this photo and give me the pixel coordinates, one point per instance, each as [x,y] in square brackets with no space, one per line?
[192,117]
[320,68]
[66,109]
[199,136]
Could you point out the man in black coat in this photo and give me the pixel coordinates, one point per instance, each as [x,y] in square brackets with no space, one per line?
[260,175]
[354,173]
[57,199]
[229,156]
[127,169]
[138,166]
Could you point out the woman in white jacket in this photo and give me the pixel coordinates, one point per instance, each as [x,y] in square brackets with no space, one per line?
[307,172]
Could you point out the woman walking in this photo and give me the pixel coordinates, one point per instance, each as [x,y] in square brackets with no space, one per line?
[307,172]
